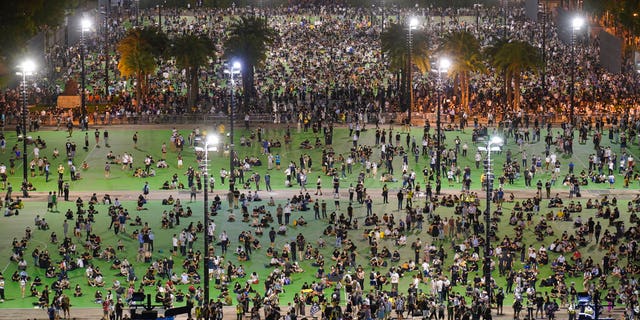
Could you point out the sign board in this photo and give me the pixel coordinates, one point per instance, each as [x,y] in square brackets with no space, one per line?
[610,52]
[531,9]
[69,102]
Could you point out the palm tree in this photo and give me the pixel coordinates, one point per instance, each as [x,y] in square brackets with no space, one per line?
[192,51]
[396,49]
[464,51]
[138,52]
[513,58]
[248,40]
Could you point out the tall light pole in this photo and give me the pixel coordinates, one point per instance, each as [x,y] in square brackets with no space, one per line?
[26,68]
[443,67]
[413,24]
[493,144]
[544,50]
[504,10]
[576,24]
[382,21]
[85,26]
[232,71]
[106,49]
[210,141]
[137,4]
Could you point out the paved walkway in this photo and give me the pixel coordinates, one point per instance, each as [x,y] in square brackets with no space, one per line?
[230,314]
[281,194]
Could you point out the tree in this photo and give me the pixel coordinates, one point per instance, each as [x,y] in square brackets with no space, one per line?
[192,51]
[464,51]
[138,52]
[21,20]
[248,41]
[512,59]
[395,46]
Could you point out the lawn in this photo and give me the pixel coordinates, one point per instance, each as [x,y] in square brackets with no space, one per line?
[122,182]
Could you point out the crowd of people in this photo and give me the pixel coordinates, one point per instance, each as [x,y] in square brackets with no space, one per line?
[450,225]
[294,88]
[327,61]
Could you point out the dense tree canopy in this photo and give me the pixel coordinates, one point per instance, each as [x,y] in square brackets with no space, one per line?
[247,41]
[192,51]
[21,20]
[139,52]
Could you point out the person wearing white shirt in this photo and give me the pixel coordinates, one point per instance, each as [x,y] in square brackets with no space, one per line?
[394,278]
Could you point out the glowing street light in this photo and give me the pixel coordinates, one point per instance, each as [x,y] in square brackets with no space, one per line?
[443,67]
[494,144]
[210,143]
[27,68]
[233,70]
[85,26]
[576,24]
[413,24]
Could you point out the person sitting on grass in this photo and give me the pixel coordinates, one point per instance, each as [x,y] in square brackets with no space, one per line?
[77,292]
[282,230]
[34,290]
[106,199]
[141,202]
[169,201]
[97,297]
[242,255]
[149,278]
[97,281]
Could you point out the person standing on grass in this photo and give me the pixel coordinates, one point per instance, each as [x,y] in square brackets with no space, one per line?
[212,183]
[54,202]
[400,198]
[7,196]
[107,169]
[23,285]
[192,196]
[106,308]
[49,201]
[66,191]
[145,189]
[60,171]
[96,135]
[267,181]
[119,308]
[65,227]
[319,186]
[135,140]
[1,288]
[47,170]
[105,135]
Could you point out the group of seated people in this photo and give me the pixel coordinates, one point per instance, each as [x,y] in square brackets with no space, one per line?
[174,184]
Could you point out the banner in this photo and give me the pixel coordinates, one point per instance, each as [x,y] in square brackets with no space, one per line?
[69,102]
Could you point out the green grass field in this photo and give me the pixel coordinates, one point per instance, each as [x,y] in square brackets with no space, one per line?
[150,140]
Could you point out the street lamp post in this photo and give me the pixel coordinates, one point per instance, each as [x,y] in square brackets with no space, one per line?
[443,67]
[576,24]
[544,51]
[85,26]
[504,10]
[232,71]
[210,141]
[493,144]
[107,13]
[413,23]
[26,68]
